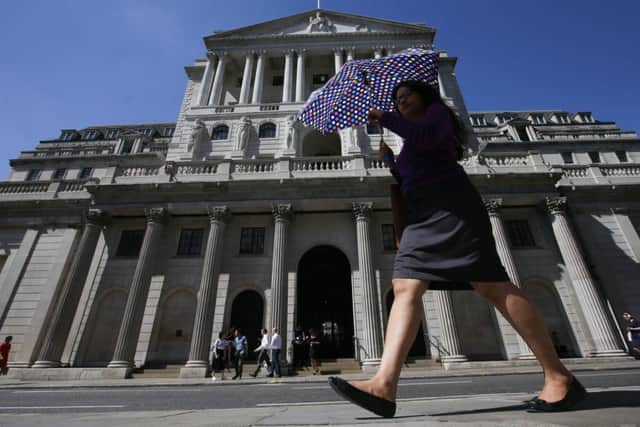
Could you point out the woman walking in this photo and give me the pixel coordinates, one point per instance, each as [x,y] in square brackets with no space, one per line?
[447,245]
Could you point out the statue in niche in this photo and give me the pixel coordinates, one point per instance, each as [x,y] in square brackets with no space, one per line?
[293,134]
[199,144]
[244,134]
[320,24]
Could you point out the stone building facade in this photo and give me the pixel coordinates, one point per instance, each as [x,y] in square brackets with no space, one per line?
[124,246]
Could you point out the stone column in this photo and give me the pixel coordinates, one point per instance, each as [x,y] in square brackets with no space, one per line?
[377,53]
[337,59]
[350,53]
[300,89]
[246,78]
[218,80]
[504,252]
[203,323]
[597,321]
[127,337]
[278,315]
[288,76]
[66,304]
[372,328]
[449,339]
[207,77]
[259,79]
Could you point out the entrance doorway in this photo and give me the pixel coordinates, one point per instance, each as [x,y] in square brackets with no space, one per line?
[324,300]
[418,349]
[247,314]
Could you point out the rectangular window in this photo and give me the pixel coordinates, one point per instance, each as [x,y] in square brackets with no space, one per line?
[167,132]
[85,173]
[277,81]
[33,175]
[520,234]
[594,156]
[622,156]
[538,119]
[113,133]
[567,157]
[91,134]
[388,237]
[190,243]
[252,240]
[147,132]
[59,174]
[563,118]
[320,79]
[130,243]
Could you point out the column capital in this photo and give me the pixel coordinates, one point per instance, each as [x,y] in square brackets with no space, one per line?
[211,55]
[282,212]
[156,215]
[98,217]
[301,51]
[218,214]
[338,50]
[556,205]
[362,210]
[493,206]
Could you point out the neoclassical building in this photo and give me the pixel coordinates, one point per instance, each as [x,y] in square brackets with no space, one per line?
[132,245]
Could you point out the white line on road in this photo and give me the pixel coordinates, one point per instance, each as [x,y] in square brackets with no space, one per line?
[116,390]
[62,407]
[324,387]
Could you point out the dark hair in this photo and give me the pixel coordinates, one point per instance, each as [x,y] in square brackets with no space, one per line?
[8,338]
[430,95]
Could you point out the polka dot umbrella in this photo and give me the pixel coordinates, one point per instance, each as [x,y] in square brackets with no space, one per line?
[360,85]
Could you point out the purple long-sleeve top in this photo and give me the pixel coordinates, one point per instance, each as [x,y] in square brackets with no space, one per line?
[429,151]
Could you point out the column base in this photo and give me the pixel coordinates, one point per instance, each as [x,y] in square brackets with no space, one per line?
[526,356]
[456,358]
[46,364]
[370,366]
[608,353]
[194,371]
[237,155]
[196,364]
[119,364]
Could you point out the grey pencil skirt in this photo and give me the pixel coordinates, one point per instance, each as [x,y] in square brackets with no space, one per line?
[448,239]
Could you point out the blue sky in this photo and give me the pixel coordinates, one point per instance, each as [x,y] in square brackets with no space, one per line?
[75,63]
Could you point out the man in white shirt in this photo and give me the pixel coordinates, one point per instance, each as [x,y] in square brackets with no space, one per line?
[264,354]
[276,345]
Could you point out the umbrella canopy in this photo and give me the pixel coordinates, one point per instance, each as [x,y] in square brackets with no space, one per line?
[360,85]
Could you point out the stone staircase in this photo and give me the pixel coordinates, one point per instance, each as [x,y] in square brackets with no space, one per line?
[157,371]
[420,364]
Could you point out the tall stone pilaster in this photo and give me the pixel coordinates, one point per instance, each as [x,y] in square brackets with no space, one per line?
[132,317]
[203,323]
[246,78]
[278,316]
[287,84]
[449,338]
[300,78]
[597,321]
[372,328]
[66,303]
[207,78]
[504,252]
[259,79]
[218,80]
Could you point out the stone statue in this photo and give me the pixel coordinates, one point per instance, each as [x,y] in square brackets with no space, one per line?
[199,144]
[244,134]
[320,24]
[293,134]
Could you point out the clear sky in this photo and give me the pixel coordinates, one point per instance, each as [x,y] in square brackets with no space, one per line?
[75,63]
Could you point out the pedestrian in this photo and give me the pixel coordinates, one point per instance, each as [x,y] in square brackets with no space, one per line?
[219,348]
[5,347]
[229,354]
[263,354]
[633,334]
[276,345]
[299,347]
[314,346]
[447,244]
[240,347]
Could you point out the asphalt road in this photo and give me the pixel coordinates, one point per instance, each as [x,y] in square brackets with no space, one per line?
[237,396]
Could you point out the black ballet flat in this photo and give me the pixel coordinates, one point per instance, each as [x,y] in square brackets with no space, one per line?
[576,394]
[379,406]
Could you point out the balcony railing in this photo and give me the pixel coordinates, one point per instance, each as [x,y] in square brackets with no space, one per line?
[39,190]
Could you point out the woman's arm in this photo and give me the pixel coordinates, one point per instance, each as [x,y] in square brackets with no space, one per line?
[427,134]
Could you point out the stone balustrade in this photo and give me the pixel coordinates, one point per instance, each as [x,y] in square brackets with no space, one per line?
[44,190]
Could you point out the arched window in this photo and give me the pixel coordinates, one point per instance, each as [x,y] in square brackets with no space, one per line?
[220,132]
[267,130]
[373,130]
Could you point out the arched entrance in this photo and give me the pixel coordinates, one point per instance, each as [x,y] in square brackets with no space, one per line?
[418,349]
[247,314]
[177,315]
[324,299]
[477,327]
[101,341]
[316,144]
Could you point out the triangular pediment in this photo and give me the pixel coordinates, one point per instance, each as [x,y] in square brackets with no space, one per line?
[320,22]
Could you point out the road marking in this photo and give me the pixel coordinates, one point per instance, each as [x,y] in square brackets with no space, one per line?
[63,407]
[117,390]
[603,374]
[324,387]
[336,402]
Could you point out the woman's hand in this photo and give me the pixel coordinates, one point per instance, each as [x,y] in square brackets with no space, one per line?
[374,117]
[385,153]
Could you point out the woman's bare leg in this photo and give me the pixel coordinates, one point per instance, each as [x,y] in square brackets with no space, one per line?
[524,317]
[404,321]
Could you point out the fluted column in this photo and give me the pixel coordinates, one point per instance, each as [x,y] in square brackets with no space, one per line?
[218,80]
[246,78]
[377,53]
[504,252]
[282,217]
[597,321]
[259,79]
[201,338]
[207,77]
[300,89]
[288,76]
[350,53]
[67,302]
[337,59]
[449,337]
[130,327]
[372,328]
